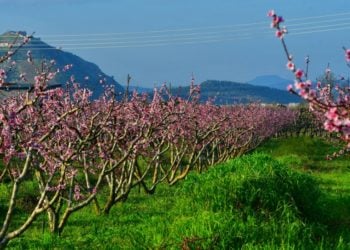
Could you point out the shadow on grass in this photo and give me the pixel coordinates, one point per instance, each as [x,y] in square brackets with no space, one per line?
[336,215]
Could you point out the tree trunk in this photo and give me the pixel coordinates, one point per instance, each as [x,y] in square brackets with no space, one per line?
[52,221]
[3,242]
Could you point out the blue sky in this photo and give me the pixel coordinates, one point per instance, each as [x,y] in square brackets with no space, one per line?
[160,41]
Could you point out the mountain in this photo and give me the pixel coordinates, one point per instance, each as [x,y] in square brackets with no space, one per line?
[272,81]
[86,73]
[226,92]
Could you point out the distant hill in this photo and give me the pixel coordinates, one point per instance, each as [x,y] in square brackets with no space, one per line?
[226,92]
[271,81]
[139,89]
[84,72]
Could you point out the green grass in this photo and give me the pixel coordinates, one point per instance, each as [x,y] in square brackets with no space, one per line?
[283,196]
[309,155]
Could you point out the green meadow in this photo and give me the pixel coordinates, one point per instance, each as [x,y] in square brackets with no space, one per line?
[283,195]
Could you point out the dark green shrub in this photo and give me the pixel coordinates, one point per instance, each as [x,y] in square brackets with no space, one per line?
[266,185]
[269,202]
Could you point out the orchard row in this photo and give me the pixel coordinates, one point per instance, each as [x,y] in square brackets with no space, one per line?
[79,151]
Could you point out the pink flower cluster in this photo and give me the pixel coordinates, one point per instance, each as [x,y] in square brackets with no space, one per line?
[276,21]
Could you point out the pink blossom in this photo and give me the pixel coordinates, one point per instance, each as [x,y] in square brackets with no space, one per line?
[51,75]
[304,93]
[38,80]
[290,65]
[308,83]
[299,73]
[329,126]
[2,73]
[276,20]
[77,195]
[279,33]
[347,55]
[312,93]
[332,114]
[337,122]
[299,85]
[271,13]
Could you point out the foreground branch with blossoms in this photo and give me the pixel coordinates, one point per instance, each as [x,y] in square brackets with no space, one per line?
[332,104]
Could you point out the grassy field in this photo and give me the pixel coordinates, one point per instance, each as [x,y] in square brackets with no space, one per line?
[285,195]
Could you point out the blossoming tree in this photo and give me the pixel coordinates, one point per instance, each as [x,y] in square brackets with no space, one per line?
[333,103]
